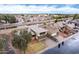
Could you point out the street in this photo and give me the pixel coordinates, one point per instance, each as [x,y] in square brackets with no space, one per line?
[70,46]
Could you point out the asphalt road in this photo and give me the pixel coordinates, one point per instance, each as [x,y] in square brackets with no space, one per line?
[70,46]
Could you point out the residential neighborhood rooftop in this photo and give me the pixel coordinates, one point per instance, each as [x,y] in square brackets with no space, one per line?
[40,32]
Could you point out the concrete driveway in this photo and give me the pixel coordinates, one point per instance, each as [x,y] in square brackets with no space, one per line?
[70,46]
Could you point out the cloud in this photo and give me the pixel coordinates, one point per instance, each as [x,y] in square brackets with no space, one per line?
[68,9]
[33,9]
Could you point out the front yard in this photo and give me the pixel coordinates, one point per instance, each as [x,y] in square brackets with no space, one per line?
[35,47]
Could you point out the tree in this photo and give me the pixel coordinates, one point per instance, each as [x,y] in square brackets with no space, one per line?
[21,41]
[66,16]
[1,17]
[57,18]
[3,42]
[10,18]
[75,16]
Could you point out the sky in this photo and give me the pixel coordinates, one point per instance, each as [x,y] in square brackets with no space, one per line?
[39,8]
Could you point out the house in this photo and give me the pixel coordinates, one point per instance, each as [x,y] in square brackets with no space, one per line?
[71,25]
[19,18]
[38,31]
[52,29]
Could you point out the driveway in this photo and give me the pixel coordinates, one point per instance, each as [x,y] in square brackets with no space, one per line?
[70,46]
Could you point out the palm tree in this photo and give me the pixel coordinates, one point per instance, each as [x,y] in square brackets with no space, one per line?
[21,41]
